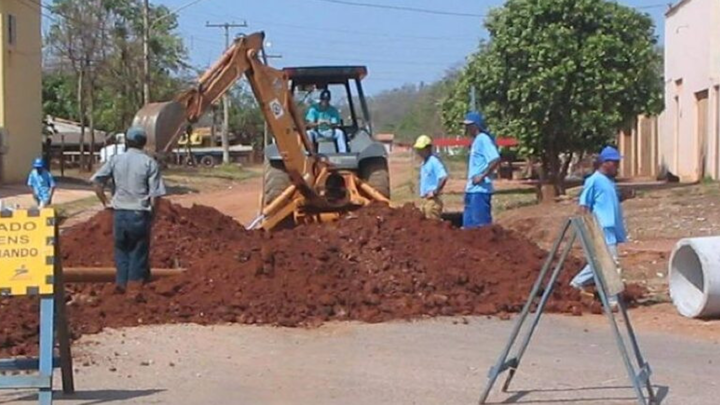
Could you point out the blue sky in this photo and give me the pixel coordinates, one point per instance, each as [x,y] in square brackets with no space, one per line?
[397,46]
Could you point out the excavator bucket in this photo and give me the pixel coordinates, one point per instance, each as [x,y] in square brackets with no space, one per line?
[163,123]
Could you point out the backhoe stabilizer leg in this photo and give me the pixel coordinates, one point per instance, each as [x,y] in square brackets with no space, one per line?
[372,192]
[272,220]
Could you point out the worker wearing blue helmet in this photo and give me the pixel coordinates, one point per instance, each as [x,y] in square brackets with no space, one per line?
[600,197]
[483,160]
[42,183]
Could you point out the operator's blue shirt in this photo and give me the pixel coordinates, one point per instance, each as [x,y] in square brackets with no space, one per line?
[324,117]
[482,152]
[600,196]
[432,171]
[41,183]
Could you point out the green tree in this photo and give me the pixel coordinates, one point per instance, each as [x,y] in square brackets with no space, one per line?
[561,76]
[120,84]
[97,47]
[58,95]
[246,120]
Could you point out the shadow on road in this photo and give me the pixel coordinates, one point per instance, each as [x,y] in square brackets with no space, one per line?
[92,397]
[661,393]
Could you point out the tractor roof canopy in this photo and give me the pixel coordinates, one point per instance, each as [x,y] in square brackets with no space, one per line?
[324,75]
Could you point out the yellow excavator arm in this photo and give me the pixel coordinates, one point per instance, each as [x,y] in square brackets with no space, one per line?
[165,122]
[270,88]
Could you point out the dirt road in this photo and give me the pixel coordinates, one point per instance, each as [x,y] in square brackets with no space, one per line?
[438,361]
[240,200]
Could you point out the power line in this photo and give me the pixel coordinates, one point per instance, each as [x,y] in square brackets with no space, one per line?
[364,60]
[54,12]
[653,6]
[415,46]
[384,35]
[175,12]
[403,8]
[35,6]
[441,12]
[40,4]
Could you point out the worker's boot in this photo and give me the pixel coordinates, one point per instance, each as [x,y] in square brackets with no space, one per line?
[135,291]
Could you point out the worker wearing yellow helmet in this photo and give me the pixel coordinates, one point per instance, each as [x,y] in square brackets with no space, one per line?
[433,177]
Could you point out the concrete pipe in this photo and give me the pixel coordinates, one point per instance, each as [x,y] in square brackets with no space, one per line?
[694,277]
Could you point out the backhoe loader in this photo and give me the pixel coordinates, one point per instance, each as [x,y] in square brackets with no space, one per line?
[317,189]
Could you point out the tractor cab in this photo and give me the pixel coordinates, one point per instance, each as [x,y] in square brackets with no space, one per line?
[354,128]
[365,156]
[307,86]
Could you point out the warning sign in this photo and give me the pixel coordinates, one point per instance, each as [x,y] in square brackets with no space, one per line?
[27,252]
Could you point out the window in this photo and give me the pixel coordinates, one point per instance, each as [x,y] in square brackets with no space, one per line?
[12,29]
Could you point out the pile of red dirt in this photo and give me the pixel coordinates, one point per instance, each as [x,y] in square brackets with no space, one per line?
[180,236]
[375,265]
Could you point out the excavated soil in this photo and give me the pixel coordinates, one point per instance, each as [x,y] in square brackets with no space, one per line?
[374,265]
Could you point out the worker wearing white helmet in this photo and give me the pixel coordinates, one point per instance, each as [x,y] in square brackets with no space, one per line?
[433,177]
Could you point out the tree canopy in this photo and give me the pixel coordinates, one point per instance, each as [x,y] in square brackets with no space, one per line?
[411,110]
[561,76]
[94,58]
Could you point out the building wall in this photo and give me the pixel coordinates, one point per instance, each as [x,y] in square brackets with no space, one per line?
[714,144]
[20,89]
[692,67]
[638,145]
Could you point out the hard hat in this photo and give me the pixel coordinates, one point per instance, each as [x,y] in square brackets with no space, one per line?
[475,118]
[38,163]
[610,154]
[136,134]
[422,142]
[325,95]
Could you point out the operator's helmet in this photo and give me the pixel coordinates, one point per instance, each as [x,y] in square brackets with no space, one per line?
[325,95]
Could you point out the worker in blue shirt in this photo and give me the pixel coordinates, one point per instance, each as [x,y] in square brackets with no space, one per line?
[41,183]
[323,122]
[484,159]
[600,197]
[433,177]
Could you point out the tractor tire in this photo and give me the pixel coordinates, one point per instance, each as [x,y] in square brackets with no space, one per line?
[375,173]
[276,181]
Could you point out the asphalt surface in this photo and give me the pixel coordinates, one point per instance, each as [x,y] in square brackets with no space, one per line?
[434,361]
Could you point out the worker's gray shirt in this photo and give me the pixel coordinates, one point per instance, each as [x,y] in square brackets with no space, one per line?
[137,179]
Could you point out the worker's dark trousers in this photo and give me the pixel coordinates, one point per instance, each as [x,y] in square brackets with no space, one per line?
[132,246]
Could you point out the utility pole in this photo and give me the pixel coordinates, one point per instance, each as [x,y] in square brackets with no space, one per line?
[473,100]
[226,100]
[146,51]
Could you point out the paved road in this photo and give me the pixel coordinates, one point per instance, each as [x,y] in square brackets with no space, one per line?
[438,361]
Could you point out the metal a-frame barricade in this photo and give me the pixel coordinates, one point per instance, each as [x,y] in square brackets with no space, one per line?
[608,284]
